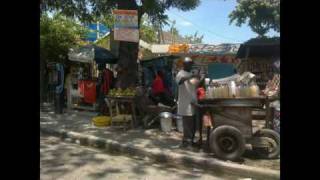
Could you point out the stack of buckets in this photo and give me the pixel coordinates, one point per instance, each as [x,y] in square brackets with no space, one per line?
[166,122]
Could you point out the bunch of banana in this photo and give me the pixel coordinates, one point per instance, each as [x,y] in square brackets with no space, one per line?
[112,92]
[122,92]
[130,92]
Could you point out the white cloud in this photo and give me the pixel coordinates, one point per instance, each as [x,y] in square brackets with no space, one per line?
[185,23]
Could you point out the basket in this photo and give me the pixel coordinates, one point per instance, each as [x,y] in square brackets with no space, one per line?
[101,121]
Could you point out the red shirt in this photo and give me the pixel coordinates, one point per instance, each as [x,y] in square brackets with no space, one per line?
[201,93]
[157,85]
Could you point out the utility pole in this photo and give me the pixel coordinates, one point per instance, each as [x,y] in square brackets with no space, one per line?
[172,34]
[98,30]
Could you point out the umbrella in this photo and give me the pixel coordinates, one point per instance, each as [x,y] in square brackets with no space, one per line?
[89,53]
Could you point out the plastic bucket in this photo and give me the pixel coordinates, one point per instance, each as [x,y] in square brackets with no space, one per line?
[165,121]
[166,124]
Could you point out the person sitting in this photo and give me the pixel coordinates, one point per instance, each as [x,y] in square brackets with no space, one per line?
[158,85]
[159,92]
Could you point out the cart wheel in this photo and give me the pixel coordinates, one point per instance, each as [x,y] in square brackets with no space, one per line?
[227,142]
[273,140]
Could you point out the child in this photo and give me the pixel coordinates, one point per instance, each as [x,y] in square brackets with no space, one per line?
[203,119]
[200,95]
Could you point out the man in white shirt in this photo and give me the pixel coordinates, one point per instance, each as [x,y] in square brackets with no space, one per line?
[186,96]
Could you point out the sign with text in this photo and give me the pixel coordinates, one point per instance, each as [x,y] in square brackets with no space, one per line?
[126,25]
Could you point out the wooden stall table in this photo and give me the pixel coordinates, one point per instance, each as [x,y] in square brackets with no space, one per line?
[115,100]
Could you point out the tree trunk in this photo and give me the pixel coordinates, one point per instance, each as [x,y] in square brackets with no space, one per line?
[128,53]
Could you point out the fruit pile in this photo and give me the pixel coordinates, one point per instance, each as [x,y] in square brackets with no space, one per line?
[122,92]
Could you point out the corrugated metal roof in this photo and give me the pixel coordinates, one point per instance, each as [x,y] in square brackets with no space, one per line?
[208,49]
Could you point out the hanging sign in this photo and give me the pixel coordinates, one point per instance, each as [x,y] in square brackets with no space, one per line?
[126,25]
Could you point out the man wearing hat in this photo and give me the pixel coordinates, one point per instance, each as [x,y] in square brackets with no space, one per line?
[187,83]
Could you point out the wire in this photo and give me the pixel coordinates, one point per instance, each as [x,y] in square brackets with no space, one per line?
[199,27]
[202,28]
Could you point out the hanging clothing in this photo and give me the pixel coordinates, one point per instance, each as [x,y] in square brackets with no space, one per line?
[87,89]
[81,87]
[107,81]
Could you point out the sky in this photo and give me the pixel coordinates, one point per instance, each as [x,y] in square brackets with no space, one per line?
[211,19]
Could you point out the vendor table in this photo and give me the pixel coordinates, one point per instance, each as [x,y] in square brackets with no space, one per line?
[123,99]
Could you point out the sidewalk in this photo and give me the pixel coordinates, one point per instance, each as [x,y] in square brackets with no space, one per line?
[152,143]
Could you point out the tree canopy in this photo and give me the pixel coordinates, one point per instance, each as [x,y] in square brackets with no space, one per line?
[194,39]
[57,35]
[148,32]
[86,10]
[261,15]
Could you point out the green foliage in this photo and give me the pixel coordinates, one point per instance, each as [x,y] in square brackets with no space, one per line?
[148,32]
[194,39]
[261,15]
[85,10]
[57,35]
[174,31]
[264,40]
[107,20]
[104,42]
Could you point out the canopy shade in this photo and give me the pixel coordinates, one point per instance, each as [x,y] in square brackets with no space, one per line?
[90,53]
[260,48]
[170,57]
[265,51]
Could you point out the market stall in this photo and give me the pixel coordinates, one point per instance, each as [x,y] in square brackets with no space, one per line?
[207,58]
[84,74]
[118,118]
[122,107]
[260,56]
[151,66]
[212,61]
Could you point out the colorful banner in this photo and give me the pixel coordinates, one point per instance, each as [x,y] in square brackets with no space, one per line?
[126,25]
[221,49]
[178,48]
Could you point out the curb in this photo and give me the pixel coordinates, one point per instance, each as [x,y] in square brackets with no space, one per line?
[215,165]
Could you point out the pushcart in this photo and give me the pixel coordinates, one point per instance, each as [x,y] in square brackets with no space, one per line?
[232,128]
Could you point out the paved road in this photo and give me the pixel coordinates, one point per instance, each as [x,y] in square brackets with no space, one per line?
[60,160]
